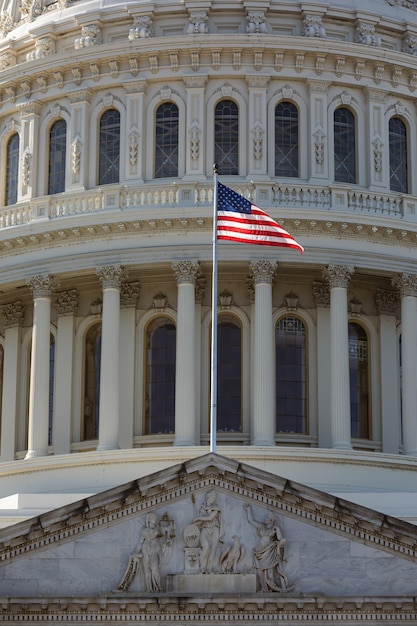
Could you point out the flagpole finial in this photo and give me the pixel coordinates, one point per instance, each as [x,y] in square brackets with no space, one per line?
[215,168]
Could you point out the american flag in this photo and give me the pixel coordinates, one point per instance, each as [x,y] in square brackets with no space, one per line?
[240,220]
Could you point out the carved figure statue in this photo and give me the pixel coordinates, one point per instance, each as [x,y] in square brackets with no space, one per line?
[232,556]
[151,553]
[90,36]
[269,554]
[209,524]
[44,46]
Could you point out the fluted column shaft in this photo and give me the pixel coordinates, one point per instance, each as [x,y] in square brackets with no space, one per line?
[42,287]
[338,277]
[13,315]
[66,305]
[185,421]
[263,415]
[110,278]
[407,285]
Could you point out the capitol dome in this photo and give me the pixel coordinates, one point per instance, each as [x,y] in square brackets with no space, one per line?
[112,115]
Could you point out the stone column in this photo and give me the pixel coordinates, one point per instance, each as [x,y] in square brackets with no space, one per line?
[388,304]
[257,149]
[407,284]
[13,314]
[66,305]
[200,288]
[322,297]
[185,380]
[110,278]
[77,168]
[135,93]
[195,146]
[263,415]
[29,141]
[42,288]
[338,277]
[129,296]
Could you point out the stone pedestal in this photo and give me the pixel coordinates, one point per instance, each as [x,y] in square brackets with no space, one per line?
[211,583]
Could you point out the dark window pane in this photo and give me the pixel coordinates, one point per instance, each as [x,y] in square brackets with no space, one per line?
[286,140]
[229,375]
[226,138]
[291,386]
[12,169]
[359,391]
[398,155]
[57,157]
[92,366]
[109,148]
[344,146]
[160,377]
[166,141]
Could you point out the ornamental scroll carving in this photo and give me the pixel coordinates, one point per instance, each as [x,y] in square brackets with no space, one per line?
[111,276]
[44,46]
[319,137]
[195,132]
[262,271]
[406,284]
[142,28]
[26,166]
[76,148]
[377,146]
[321,294]
[257,140]
[387,301]
[129,294]
[210,540]
[365,34]
[133,146]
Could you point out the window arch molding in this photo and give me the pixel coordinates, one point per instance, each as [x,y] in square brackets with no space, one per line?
[301,106]
[311,332]
[243,319]
[44,131]
[360,144]
[140,361]
[212,102]
[411,129]
[92,154]
[373,376]
[12,128]
[149,129]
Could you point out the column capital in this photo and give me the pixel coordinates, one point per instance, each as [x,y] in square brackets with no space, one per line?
[406,284]
[321,294]
[66,302]
[111,276]
[13,313]
[129,294]
[42,285]
[338,275]
[387,301]
[186,271]
[262,271]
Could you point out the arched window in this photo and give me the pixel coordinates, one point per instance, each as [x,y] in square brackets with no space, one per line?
[286,140]
[398,174]
[51,386]
[109,148]
[12,169]
[166,140]
[226,138]
[359,381]
[92,364]
[229,374]
[57,157]
[344,146]
[160,377]
[291,375]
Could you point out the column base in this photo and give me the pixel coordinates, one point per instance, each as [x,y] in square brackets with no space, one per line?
[341,445]
[409,452]
[263,443]
[34,454]
[185,441]
[103,447]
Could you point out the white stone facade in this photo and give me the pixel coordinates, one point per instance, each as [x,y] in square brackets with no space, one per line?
[127,253]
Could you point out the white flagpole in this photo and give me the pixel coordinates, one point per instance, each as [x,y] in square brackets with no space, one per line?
[213,391]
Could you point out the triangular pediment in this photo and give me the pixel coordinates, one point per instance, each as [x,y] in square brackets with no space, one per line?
[209,530]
